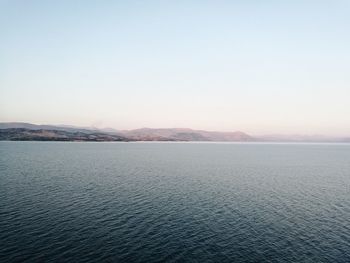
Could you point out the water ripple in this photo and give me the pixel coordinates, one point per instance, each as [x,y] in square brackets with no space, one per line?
[81,202]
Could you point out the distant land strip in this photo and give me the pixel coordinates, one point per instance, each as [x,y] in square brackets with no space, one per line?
[19,131]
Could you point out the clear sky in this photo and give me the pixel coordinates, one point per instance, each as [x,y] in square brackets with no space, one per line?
[256,66]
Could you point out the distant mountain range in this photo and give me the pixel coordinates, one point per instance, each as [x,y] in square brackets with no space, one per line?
[184,134]
[28,132]
[19,131]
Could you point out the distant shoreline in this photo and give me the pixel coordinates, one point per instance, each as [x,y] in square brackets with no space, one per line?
[15,131]
[186,142]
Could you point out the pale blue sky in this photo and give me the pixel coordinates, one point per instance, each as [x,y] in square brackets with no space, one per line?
[256,66]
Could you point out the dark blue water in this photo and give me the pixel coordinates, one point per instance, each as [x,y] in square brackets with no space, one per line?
[174,202]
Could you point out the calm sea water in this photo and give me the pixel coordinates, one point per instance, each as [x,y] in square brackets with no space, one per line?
[174,202]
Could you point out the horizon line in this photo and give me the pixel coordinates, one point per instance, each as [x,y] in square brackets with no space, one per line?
[184,128]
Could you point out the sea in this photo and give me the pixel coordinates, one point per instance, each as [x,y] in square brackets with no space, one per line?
[174,202]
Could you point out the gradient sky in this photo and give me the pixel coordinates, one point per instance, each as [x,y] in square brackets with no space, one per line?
[257,66]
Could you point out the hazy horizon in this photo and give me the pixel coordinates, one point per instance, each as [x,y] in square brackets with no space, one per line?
[272,135]
[259,68]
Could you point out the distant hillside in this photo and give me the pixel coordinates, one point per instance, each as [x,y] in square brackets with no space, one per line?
[184,134]
[27,131]
[23,134]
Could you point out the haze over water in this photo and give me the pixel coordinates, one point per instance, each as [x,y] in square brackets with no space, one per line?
[175,202]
